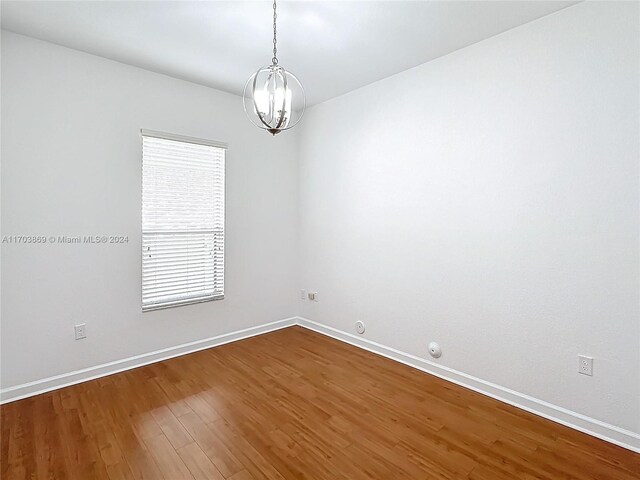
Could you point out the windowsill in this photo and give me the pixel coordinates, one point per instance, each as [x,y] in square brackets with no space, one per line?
[162,306]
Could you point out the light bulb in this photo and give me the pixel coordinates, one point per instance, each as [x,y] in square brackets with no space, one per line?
[261,101]
[278,101]
[287,106]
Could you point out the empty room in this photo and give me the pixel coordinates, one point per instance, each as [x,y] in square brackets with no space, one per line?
[320,240]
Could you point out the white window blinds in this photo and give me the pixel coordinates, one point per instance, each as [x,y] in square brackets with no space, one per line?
[182,220]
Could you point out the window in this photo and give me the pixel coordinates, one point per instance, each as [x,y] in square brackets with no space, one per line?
[182,220]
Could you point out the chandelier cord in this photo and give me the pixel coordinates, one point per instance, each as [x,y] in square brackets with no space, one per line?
[274,60]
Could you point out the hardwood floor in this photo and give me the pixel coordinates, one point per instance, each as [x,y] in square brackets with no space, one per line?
[291,404]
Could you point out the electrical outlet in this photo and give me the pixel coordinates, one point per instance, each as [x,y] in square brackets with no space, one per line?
[585,365]
[81,331]
[313,296]
[303,294]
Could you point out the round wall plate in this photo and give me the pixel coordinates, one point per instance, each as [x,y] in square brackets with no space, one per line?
[359,327]
[434,350]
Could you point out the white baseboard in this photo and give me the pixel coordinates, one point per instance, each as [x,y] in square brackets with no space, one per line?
[577,421]
[66,379]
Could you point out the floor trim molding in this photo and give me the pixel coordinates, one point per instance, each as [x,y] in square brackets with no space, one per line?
[66,379]
[604,431]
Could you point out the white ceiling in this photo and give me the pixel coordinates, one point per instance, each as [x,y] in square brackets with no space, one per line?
[333,47]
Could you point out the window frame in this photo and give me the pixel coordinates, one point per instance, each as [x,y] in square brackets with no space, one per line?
[197,141]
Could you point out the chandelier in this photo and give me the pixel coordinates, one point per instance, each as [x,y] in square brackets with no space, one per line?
[273,97]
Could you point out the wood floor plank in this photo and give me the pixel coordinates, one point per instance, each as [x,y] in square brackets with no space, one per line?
[198,463]
[171,427]
[243,475]
[119,471]
[170,463]
[143,466]
[290,404]
[216,449]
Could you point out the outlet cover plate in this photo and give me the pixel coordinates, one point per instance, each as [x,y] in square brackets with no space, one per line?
[585,365]
[81,331]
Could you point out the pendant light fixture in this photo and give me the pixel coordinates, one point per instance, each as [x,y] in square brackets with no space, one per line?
[273,98]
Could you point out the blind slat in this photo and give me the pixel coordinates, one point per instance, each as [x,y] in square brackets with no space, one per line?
[182,222]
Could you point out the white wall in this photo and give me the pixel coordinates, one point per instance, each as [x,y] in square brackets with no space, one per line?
[71,165]
[489,200]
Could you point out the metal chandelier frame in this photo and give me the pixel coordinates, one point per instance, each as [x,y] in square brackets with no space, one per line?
[275,71]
